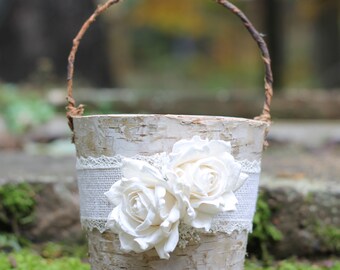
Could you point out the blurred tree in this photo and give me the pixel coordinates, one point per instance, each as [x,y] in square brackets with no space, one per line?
[119,47]
[323,44]
[176,16]
[327,42]
[38,35]
[205,38]
[274,31]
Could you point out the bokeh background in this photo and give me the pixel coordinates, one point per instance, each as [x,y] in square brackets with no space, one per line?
[174,49]
[183,57]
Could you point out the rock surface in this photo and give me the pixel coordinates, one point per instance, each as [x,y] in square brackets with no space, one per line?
[8,141]
[289,104]
[56,216]
[306,220]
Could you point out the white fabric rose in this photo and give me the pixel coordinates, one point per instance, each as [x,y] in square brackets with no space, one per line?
[204,175]
[146,214]
[197,181]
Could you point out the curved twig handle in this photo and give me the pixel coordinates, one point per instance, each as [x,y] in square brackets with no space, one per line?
[268,80]
[73,110]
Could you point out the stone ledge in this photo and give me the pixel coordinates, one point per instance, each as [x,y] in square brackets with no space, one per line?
[305,212]
[19,166]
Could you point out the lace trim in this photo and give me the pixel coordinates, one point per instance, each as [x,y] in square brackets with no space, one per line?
[97,174]
[227,227]
[251,166]
[105,162]
[91,224]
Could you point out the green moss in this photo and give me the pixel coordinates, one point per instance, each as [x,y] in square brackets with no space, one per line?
[17,202]
[327,233]
[29,260]
[53,250]
[51,256]
[264,233]
[294,265]
[330,236]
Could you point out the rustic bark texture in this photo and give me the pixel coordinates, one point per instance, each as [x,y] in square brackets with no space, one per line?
[129,135]
[214,252]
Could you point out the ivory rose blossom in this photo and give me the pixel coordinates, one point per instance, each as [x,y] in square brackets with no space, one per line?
[192,184]
[146,215]
[206,175]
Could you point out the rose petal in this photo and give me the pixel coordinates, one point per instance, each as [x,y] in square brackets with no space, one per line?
[111,220]
[151,238]
[128,244]
[142,244]
[161,252]
[126,223]
[230,201]
[218,146]
[115,193]
[201,221]
[242,178]
[132,168]
[211,207]
[149,221]
[168,245]
[173,238]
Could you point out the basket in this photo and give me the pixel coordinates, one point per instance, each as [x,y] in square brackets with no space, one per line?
[168,191]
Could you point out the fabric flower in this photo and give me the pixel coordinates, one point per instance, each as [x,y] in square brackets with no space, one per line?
[205,175]
[193,184]
[146,214]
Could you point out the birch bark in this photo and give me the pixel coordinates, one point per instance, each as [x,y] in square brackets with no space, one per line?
[129,135]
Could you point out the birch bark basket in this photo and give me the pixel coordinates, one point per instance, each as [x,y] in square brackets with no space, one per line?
[107,137]
[131,135]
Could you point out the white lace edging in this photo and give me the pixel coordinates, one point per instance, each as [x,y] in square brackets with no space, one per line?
[91,224]
[97,174]
[227,227]
[250,166]
[105,162]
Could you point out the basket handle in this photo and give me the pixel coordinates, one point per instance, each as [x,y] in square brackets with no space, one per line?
[73,110]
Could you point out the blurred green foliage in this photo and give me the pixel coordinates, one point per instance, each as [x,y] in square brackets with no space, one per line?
[9,242]
[54,250]
[23,109]
[31,260]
